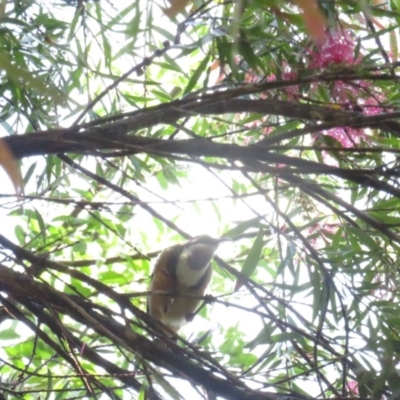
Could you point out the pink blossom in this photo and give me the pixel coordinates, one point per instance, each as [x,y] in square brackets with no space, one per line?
[347,136]
[248,140]
[267,130]
[353,387]
[343,91]
[289,75]
[372,107]
[338,48]
[317,233]
[250,77]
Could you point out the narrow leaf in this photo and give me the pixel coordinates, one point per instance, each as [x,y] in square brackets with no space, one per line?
[196,75]
[252,259]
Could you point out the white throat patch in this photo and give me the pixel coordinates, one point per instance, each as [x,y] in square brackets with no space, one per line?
[185,275]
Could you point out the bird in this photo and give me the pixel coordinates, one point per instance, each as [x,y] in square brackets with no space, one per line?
[183,270]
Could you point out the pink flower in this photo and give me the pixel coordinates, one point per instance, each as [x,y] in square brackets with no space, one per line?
[247,141]
[347,136]
[267,130]
[338,48]
[317,234]
[353,387]
[372,106]
[288,75]
[342,92]
[250,77]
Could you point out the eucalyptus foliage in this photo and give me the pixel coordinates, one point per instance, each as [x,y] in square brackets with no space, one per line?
[136,130]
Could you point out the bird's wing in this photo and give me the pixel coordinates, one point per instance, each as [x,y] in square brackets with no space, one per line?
[163,280]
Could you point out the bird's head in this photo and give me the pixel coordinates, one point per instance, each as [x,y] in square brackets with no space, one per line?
[200,250]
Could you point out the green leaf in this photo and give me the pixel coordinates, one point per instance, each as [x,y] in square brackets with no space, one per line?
[42,225]
[18,74]
[194,79]
[20,234]
[252,259]
[242,227]
[9,333]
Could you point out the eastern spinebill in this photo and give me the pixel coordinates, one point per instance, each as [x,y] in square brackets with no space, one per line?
[181,270]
